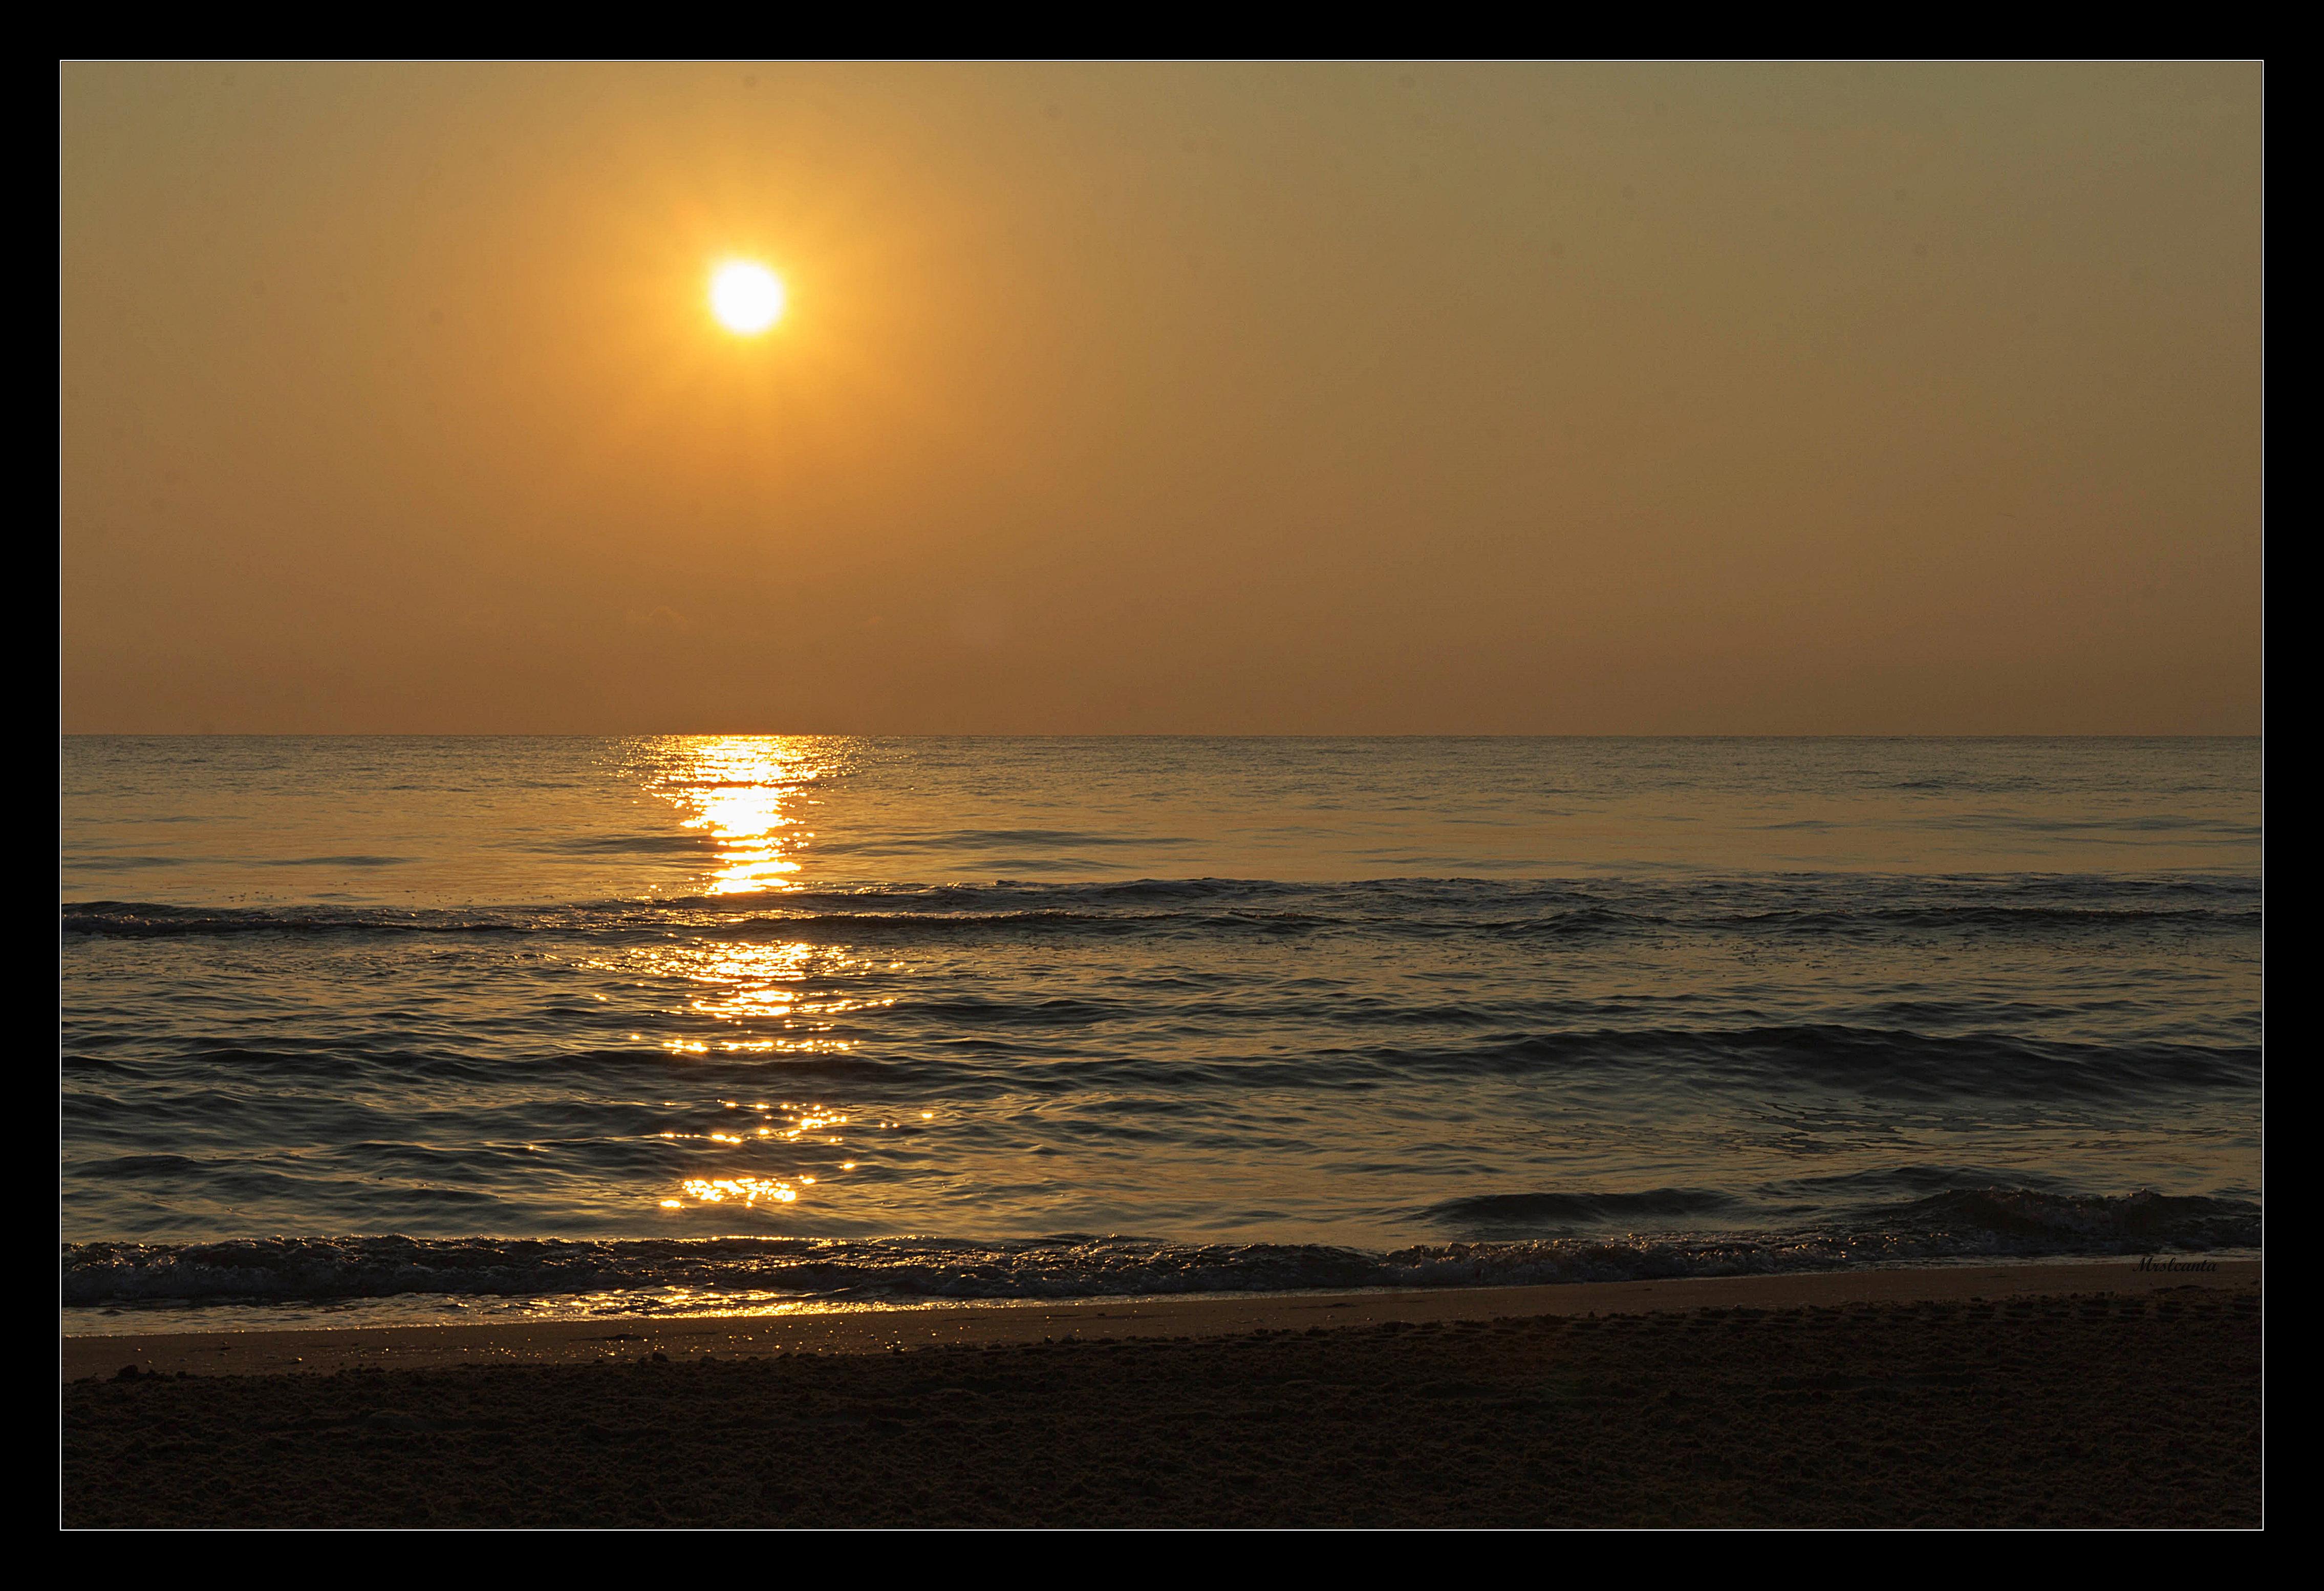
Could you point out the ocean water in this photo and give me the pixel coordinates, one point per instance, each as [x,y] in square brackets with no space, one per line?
[382,1028]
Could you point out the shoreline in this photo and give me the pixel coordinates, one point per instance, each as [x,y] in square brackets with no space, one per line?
[2071,1395]
[812,1329]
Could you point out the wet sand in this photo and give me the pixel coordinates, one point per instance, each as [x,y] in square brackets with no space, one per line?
[2079,1394]
[566,1342]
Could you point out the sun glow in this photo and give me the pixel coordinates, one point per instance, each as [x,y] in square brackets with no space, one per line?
[747,795]
[746,297]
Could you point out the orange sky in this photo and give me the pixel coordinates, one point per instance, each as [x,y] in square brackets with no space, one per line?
[1213,399]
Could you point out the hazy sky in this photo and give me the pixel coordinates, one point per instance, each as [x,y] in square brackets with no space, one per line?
[1235,399]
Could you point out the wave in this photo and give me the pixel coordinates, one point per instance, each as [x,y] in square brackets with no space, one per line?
[998,839]
[1889,1064]
[2084,1224]
[1809,906]
[645,1275]
[1485,1211]
[1882,1062]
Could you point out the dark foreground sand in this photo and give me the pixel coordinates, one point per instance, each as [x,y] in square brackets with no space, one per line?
[2135,1405]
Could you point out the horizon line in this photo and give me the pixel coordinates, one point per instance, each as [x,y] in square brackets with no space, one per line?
[1153,734]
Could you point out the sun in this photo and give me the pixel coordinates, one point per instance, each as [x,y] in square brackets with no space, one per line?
[746,297]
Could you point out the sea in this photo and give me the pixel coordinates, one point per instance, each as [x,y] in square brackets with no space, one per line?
[369,1030]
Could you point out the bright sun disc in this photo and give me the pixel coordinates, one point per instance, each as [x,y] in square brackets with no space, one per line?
[745,298]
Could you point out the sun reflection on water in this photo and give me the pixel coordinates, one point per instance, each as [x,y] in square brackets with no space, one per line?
[746,792]
[802,1136]
[749,795]
[745,1190]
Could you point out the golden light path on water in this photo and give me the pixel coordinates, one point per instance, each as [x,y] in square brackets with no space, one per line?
[748,793]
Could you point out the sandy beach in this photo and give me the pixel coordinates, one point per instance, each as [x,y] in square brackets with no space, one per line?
[2085,1394]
